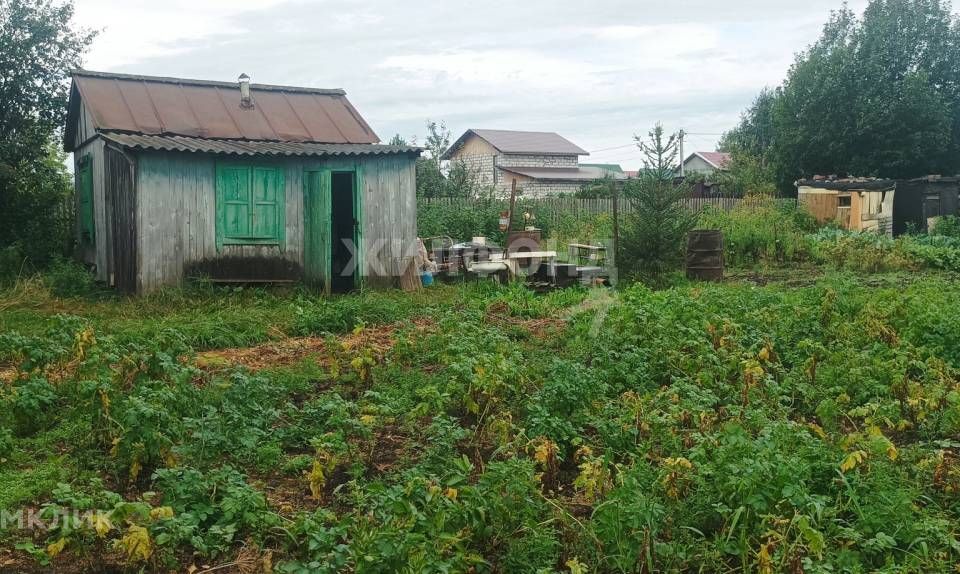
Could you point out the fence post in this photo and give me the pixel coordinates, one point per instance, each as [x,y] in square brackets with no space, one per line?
[616,226]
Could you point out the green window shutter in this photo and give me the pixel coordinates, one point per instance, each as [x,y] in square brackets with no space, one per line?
[233,185]
[266,206]
[250,205]
[88,226]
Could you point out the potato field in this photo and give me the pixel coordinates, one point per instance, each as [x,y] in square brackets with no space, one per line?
[802,422]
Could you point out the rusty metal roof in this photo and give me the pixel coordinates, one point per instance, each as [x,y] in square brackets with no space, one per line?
[252,148]
[207,109]
[849,184]
[508,141]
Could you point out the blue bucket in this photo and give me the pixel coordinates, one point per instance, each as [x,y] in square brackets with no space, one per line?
[427,278]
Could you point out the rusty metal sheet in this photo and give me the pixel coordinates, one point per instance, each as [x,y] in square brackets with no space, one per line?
[282,116]
[348,121]
[315,117]
[141,108]
[252,148]
[209,108]
[199,108]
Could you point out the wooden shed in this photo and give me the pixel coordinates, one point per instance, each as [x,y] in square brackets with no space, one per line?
[234,182]
[861,204]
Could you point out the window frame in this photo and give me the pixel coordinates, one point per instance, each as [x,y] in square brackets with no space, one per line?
[279,238]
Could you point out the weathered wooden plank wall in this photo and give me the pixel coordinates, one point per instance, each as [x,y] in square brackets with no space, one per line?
[389,214]
[176,210]
[122,211]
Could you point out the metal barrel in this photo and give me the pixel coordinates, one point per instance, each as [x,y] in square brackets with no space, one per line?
[705,255]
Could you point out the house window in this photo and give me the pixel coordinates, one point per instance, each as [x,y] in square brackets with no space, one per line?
[843,201]
[88,225]
[250,205]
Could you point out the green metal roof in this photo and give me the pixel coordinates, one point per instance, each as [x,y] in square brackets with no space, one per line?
[612,167]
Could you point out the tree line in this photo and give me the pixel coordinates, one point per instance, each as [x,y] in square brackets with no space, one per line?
[876,95]
[38,47]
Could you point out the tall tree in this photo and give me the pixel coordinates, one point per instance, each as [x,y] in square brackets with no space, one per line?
[654,233]
[660,151]
[754,135]
[438,140]
[877,95]
[38,47]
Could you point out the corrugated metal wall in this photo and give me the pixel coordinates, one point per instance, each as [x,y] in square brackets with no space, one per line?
[176,211]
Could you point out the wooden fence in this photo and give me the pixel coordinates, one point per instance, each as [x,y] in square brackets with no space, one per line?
[586,207]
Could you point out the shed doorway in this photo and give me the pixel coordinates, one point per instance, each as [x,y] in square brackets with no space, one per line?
[344,256]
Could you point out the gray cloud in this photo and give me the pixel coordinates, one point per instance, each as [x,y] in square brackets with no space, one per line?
[596,72]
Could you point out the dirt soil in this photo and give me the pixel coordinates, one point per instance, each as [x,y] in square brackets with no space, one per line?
[7,374]
[377,339]
[499,314]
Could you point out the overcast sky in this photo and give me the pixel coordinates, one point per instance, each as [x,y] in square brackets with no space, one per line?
[596,72]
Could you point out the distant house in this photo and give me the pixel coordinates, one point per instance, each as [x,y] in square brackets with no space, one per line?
[701,167]
[706,162]
[234,181]
[542,163]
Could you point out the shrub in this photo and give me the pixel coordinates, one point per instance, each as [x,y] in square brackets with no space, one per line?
[211,511]
[70,279]
[12,263]
[947,226]
[762,230]
[6,443]
[32,404]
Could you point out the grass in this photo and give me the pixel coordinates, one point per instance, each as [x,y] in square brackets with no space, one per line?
[787,420]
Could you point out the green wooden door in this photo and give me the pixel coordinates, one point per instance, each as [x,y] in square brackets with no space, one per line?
[316,240]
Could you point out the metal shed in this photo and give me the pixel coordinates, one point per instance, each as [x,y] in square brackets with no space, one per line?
[920,201]
[235,182]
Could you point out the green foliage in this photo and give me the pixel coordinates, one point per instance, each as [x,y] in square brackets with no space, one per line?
[872,96]
[433,179]
[762,230]
[947,226]
[31,404]
[461,221]
[652,237]
[746,176]
[68,278]
[40,47]
[874,253]
[211,511]
[708,427]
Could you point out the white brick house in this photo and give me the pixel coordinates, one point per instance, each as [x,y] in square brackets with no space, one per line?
[542,163]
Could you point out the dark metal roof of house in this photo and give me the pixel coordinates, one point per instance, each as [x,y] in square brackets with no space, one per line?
[849,184]
[252,148]
[507,141]
[207,109]
[564,173]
